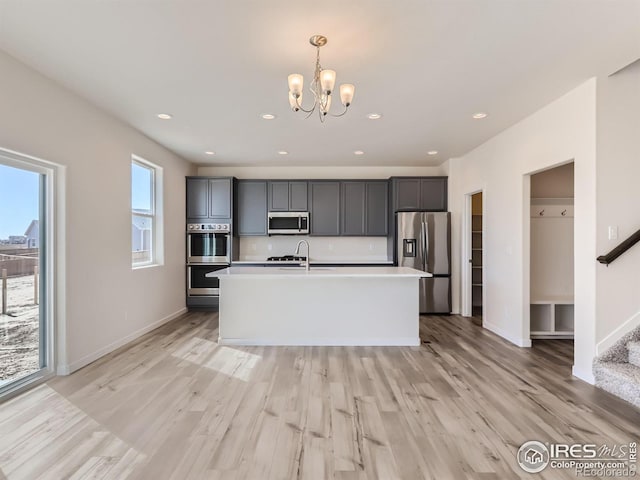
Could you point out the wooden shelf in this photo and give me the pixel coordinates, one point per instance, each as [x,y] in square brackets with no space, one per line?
[476,266]
[476,284]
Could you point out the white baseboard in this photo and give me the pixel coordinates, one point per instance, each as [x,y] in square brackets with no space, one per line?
[586,376]
[92,357]
[610,340]
[520,342]
[327,342]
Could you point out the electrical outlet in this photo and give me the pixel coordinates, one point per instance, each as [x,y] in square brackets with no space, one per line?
[613,233]
[269,247]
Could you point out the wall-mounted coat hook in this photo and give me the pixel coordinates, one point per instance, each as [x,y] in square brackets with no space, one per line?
[564,212]
[541,213]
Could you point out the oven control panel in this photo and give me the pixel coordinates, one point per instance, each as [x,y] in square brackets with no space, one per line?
[209,227]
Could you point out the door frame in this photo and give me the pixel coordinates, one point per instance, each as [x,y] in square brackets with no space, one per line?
[466,255]
[52,266]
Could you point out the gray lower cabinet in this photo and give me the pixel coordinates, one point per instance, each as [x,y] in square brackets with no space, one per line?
[209,198]
[364,208]
[324,208]
[287,196]
[252,208]
[419,193]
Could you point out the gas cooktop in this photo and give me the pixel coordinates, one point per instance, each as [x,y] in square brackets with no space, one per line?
[287,258]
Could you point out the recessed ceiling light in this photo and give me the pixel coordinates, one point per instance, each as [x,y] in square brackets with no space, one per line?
[374,116]
[283,152]
[164,116]
[268,116]
[358,152]
[479,115]
[432,152]
[209,152]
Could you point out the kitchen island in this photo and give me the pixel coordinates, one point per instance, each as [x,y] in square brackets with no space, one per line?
[322,306]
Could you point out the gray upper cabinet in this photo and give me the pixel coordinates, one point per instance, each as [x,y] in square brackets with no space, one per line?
[288,196]
[209,198]
[354,206]
[364,208]
[419,193]
[278,196]
[198,198]
[220,198]
[252,207]
[324,203]
[433,193]
[298,197]
[377,208]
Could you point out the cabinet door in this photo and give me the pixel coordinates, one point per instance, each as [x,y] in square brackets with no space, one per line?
[198,198]
[298,197]
[353,208]
[433,194]
[252,207]
[220,198]
[324,199]
[278,196]
[406,193]
[377,208]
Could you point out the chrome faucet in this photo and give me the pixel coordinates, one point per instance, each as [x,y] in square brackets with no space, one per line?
[297,252]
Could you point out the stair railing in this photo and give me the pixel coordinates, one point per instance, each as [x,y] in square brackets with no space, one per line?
[620,249]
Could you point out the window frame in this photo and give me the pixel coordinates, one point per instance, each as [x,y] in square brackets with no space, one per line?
[154,214]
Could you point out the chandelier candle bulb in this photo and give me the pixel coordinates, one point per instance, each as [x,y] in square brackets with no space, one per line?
[296,81]
[346,93]
[295,103]
[327,80]
[326,104]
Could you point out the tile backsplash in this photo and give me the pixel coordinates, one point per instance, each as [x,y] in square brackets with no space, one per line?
[331,249]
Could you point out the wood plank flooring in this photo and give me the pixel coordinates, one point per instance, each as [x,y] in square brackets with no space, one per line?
[176,405]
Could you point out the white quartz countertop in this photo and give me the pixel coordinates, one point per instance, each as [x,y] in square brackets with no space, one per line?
[342,272]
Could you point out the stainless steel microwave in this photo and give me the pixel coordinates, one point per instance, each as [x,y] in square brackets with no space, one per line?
[288,223]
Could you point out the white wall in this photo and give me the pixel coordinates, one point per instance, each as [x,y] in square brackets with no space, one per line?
[560,132]
[618,170]
[106,302]
[321,172]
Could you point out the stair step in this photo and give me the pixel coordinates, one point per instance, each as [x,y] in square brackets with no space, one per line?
[634,353]
[619,379]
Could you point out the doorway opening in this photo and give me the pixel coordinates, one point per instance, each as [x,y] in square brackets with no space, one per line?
[476,258]
[26,346]
[473,274]
[551,258]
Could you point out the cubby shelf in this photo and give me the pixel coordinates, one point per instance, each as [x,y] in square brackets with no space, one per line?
[552,317]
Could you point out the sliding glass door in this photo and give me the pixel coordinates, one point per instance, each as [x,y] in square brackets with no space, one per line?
[24,310]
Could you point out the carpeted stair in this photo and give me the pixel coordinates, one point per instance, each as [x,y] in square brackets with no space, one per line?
[618,369]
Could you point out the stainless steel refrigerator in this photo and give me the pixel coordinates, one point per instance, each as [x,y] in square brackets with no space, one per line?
[423,242]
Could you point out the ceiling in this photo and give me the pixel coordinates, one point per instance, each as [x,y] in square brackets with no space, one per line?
[425,65]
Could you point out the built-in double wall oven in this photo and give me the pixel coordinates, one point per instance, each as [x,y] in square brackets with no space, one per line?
[208,250]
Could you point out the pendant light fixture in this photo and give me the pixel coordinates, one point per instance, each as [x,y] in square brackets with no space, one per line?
[321,87]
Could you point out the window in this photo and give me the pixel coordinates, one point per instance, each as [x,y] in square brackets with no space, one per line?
[145,213]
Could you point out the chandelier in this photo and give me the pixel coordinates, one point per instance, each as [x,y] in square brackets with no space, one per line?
[321,87]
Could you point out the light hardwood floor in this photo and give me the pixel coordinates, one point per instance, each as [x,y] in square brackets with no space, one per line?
[176,405]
